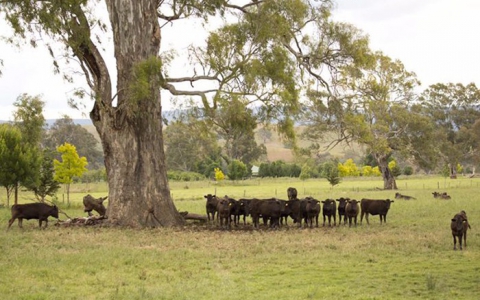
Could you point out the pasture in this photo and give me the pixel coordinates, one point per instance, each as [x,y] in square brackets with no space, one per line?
[409,257]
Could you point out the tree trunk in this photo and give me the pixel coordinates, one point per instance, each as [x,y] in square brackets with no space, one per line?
[453,171]
[389,182]
[131,131]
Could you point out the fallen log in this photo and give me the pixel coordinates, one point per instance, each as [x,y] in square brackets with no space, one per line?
[196,217]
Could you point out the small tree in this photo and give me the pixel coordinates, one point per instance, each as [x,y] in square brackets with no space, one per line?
[408,170]
[70,166]
[333,177]
[219,176]
[19,161]
[306,172]
[237,170]
[47,186]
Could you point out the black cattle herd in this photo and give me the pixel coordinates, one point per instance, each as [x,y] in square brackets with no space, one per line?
[273,212]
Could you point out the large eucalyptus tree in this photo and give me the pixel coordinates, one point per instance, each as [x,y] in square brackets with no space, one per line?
[377,108]
[267,51]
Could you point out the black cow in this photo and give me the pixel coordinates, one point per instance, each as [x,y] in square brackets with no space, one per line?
[342,202]
[405,197]
[40,211]
[225,207]
[242,209]
[351,211]
[211,206]
[375,207]
[90,203]
[312,211]
[268,209]
[284,211]
[459,226]
[297,210]
[329,211]
[292,193]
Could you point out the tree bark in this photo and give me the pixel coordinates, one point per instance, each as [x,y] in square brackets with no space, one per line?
[389,182]
[131,130]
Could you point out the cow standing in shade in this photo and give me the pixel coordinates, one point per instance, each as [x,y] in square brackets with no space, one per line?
[329,211]
[375,207]
[459,225]
[40,211]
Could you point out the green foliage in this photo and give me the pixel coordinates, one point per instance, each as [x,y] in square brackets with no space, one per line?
[279,169]
[396,171]
[306,172]
[408,170]
[46,186]
[184,176]
[147,76]
[19,161]
[333,176]
[64,130]
[237,170]
[29,118]
[190,145]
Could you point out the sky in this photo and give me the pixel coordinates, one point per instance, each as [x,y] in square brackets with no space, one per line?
[439,40]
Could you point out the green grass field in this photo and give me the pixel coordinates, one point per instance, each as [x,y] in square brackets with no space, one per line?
[410,257]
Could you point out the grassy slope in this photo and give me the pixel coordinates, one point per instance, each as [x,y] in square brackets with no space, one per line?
[410,257]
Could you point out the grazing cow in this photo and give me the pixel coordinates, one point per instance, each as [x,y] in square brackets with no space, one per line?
[405,197]
[40,211]
[211,206]
[375,207]
[329,211]
[268,209]
[459,226]
[351,211]
[90,203]
[292,193]
[312,211]
[342,202]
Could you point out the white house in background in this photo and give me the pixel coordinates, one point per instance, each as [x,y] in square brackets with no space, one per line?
[255,170]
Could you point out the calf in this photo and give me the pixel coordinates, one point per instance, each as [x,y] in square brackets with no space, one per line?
[351,211]
[296,210]
[329,211]
[211,206]
[90,203]
[405,197]
[224,209]
[312,211]
[342,202]
[292,193]
[40,211]
[459,225]
[375,207]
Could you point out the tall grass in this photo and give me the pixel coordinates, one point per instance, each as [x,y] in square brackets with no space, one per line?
[409,257]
